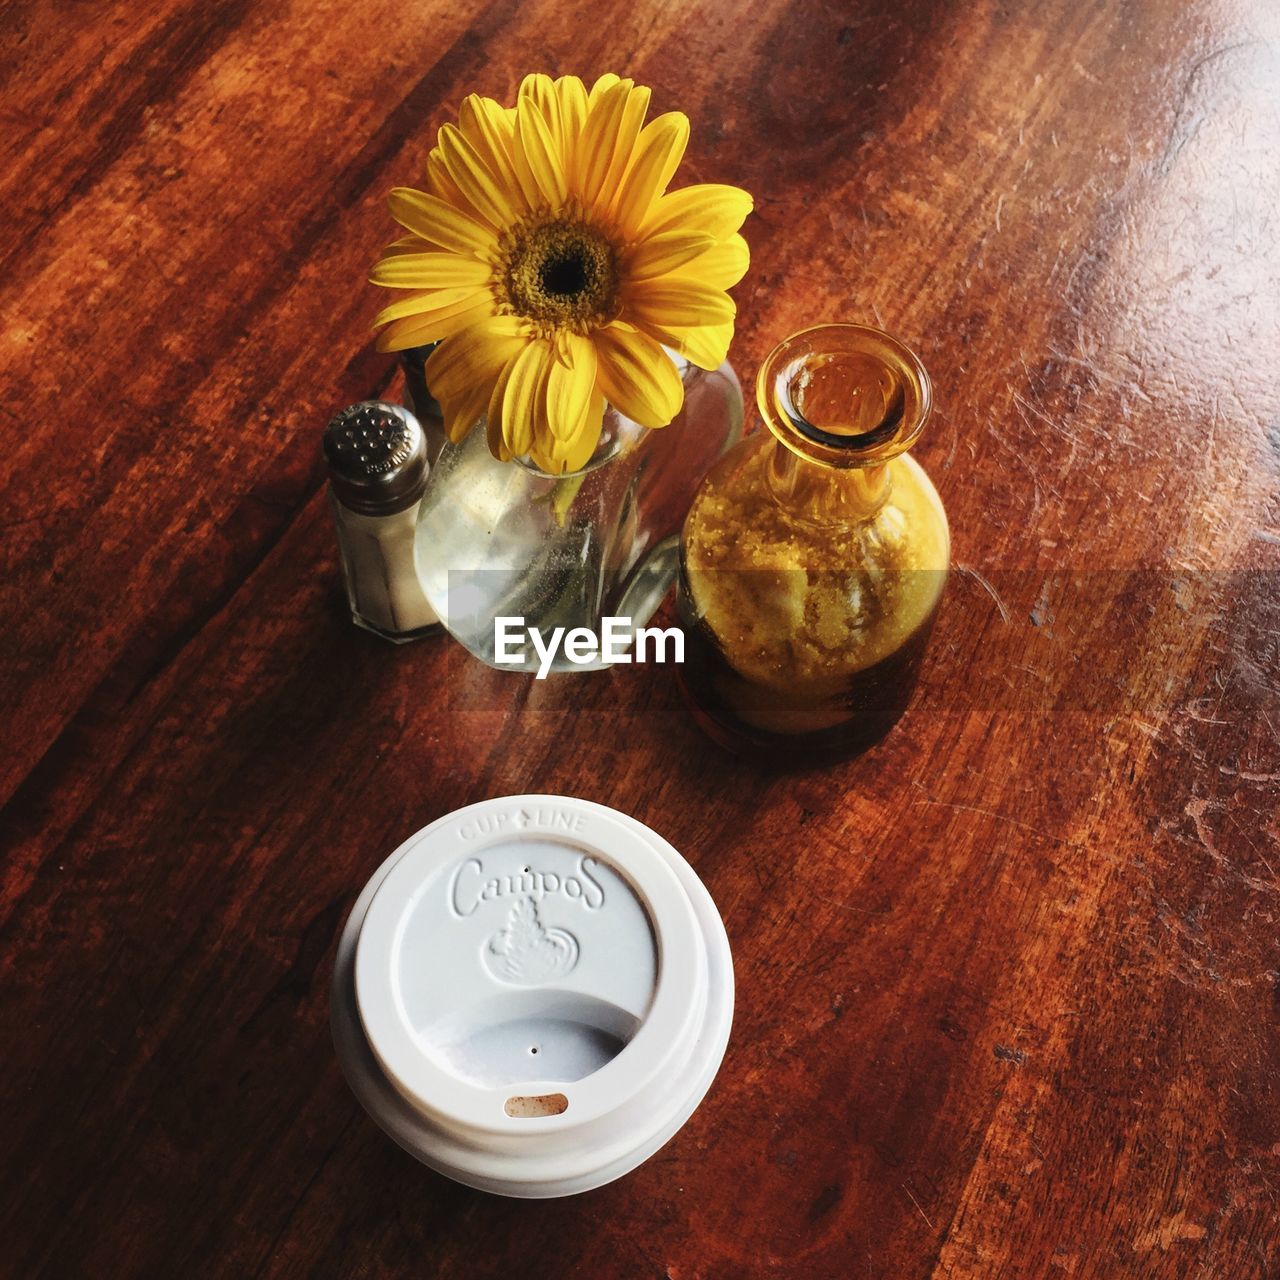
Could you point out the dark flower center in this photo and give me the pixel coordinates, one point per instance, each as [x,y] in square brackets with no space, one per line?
[566,276]
[561,273]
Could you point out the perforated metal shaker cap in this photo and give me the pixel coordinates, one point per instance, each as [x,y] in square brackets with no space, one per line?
[533,994]
[377,457]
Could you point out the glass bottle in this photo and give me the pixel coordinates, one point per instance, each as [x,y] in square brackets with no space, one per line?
[815,554]
[376,453]
[507,540]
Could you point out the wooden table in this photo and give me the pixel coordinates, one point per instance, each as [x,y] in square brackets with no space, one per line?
[1008,991]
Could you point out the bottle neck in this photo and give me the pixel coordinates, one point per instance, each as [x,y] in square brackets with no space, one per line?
[826,495]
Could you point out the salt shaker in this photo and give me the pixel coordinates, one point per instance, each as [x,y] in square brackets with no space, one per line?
[377,474]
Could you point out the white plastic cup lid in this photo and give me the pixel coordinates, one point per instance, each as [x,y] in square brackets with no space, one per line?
[532,995]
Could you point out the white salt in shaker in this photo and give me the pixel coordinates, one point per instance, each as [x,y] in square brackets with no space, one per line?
[377,474]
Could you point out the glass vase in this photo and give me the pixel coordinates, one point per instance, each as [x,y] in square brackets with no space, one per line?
[507,540]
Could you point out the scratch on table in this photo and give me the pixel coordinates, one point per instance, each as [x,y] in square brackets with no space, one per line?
[1097,371]
[991,591]
[990,813]
[919,1210]
[1195,810]
[848,906]
[1169,1233]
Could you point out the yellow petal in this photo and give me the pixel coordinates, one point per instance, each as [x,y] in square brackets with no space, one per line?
[601,87]
[437,324]
[441,185]
[580,451]
[539,91]
[438,221]
[599,138]
[706,347]
[659,150]
[710,206]
[521,165]
[573,110]
[677,301]
[473,355]
[406,244]
[539,148]
[462,412]
[483,122]
[661,254]
[637,376]
[482,190]
[427,300]
[523,407]
[559,456]
[493,438]
[624,147]
[570,381]
[430,271]
[493,414]
[722,266]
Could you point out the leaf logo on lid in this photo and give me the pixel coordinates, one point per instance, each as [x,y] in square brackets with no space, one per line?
[526,952]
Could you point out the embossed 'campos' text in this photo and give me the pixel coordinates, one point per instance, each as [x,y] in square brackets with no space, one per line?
[470,886]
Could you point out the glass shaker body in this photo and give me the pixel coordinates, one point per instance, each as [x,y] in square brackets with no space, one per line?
[378,470]
[383,590]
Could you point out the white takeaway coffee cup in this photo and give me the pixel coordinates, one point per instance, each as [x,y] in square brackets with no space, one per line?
[532,995]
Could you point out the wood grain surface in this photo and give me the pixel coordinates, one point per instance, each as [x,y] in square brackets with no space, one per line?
[1009,985]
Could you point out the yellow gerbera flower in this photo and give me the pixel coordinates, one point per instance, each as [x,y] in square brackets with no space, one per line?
[551,264]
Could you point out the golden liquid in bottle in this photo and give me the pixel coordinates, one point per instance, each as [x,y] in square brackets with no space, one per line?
[809,726]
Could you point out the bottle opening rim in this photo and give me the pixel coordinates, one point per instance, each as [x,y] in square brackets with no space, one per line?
[887,395]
